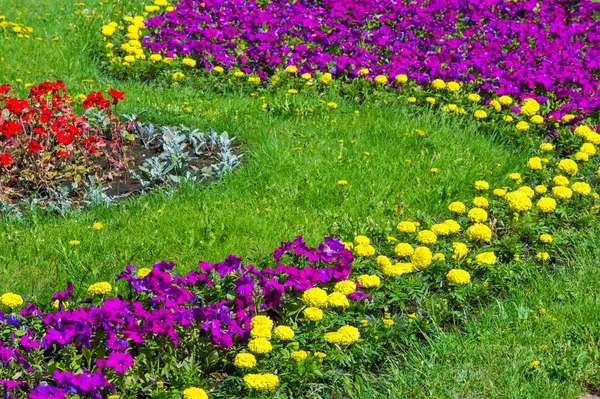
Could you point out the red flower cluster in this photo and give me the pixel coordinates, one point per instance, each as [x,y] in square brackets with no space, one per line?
[43,142]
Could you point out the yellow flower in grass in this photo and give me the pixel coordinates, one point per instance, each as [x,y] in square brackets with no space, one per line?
[560,180]
[383,260]
[101,288]
[261,332]
[477,215]
[518,201]
[337,300]
[326,78]
[507,118]
[505,100]
[582,156]
[453,86]
[543,256]
[261,321]
[486,258]
[388,323]
[411,99]
[452,225]
[546,238]
[260,345]
[541,189]
[313,314]
[496,105]
[546,205]
[522,126]
[345,287]
[481,202]
[97,226]
[364,250]
[440,229]
[438,84]
[315,297]
[244,361]
[361,240]
[284,333]
[74,242]
[561,192]
[568,166]
[178,76]
[499,192]
[535,364]
[528,191]
[363,72]
[529,107]
[458,277]
[439,257]
[261,382]
[421,258]
[535,163]
[189,62]
[194,393]
[404,249]
[291,69]
[460,251]
[581,188]
[482,185]
[299,355]
[430,100]
[398,269]
[480,114]
[369,280]
[479,232]
[401,78]
[143,272]
[515,176]
[546,147]
[345,336]
[381,79]
[426,237]
[537,119]
[583,131]
[11,300]
[320,355]
[457,207]
[588,148]
[406,227]
[474,97]
[306,76]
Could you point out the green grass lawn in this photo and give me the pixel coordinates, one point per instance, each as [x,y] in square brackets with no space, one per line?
[287,186]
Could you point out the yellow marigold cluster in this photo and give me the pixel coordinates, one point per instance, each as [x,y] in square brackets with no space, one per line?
[474,97]
[440,229]
[315,297]
[581,188]
[381,79]
[460,251]
[528,191]
[346,287]
[486,258]
[481,202]
[260,345]
[457,207]
[568,166]
[11,300]
[401,78]
[369,280]
[291,69]
[479,232]
[388,323]
[480,114]
[458,277]
[518,201]
[261,382]
[358,240]
[543,256]
[546,147]
[561,192]
[261,321]
[406,227]
[398,269]
[522,126]
[529,107]
[438,84]
[364,250]
[546,205]
[560,180]
[313,314]
[194,393]
[345,336]
[426,237]
[499,192]
[541,189]
[337,300]
[546,238]
[477,215]
[453,226]
[244,361]
[284,333]
[482,185]
[299,355]
[260,332]
[143,272]
[505,100]
[404,249]
[496,105]
[101,288]
[421,258]
[535,163]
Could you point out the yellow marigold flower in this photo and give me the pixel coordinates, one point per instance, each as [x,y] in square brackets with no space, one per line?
[74,242]
[581,188]
[546,238]
[388,323]
[345,335]
[453,86]
[546,147]
[404,249]
[583,131]
[346,287]
[458,277]
[261,332]
[486,258]
[499,192]
[438,84]
[460,251]
[453,226]
[178,76]
[383,260]
[588,148]
[101,288]
[522,126]
[518,201]
[129,58]
[316,297]
[514,176]
[326,78]
[457,207]
[11,300]
[474,97]
[291,69]
[561,192]
[361,240]
[439,257]
[292,91]
[238,74]
[406,227]
[194,393]
[421,258]
[401,78]
[369,280]
[306,76]
[540,189]
[320,355]
[391,239]
[108,30]
[113,397]
[477,215]
[398,269]
[364,250]
[244,361]
[482,185]
[143,272]
[593,138]
[537,119]
[529,107]
[299,355]
[507,118]
[337,300]
[155,57]
[480,232]
[261,321]
[56,304]
[342,182]
[496,105]
[254,79]
[535,163]
[568,166]
[567,118]
[505,100]
[332,104]
[260,345]
[480,114]
[560,180]
[363,71]
[189,62]
[284,333]
[411,99]
[452,107]
[261,382]
[535,364]
[430,100]
[481,202]
[381,79]
[426,237]
[528,191]
[543,256]
[313,314]
[582,156]
[440,229]
[97,226]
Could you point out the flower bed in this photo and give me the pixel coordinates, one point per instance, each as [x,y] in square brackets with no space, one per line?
[497,47]
[234,329]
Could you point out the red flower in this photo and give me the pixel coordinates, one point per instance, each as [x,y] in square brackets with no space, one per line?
[34,146]
[117,95]
[10,128]
[5,159]
[62,154]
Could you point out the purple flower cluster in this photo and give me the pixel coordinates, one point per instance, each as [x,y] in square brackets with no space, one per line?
[516,48]
[162,307]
